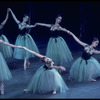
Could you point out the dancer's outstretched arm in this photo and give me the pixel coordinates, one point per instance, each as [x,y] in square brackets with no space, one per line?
[8,44]
[14,17]
[76,39]
[41,56]
[5,20]
[33,52]
[63,29]
[30,26]
[79,41]
[43,24]
[17,21]
[96,52]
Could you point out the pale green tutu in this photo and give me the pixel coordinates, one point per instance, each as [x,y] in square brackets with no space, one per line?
[7,51]
[44,81]
[5,73]
[80,71]
[58,51]
[27,41]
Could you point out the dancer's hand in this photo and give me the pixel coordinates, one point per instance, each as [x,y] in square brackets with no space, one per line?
[62,68]
[8,9]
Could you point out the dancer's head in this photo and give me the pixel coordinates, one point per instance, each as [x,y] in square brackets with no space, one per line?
[58,19]
[46,60]
[95,42]
[26,18]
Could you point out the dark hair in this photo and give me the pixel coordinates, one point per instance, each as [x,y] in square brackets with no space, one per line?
[28,17]
[29,22]
[59,16]
[95,39]
[43,59]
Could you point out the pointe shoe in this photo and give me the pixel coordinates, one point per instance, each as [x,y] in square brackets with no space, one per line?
[2,92]
[54,92]
[25,90]
[93,80]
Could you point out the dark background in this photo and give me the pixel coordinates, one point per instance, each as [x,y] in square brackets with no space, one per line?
[80,17]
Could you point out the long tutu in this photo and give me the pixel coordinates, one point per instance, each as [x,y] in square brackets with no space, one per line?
[44,81]
[80,71]
[7,51]
[5,73]
[27,41]
[58,51]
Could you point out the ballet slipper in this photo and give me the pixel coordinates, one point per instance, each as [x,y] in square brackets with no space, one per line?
[54,92]
[25,90]
[93,80]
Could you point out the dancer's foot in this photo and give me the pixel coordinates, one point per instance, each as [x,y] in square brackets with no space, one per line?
[2,92]
[93,80]
[54,92]
[25,90]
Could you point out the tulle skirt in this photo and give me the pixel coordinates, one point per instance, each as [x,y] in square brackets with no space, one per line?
[7,51]
[58,51]
[27,41]
[82,71]
[44,81]
[5,73]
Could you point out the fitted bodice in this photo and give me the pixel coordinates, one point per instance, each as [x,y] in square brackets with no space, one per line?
[87,52]
[22,31]
[54,32]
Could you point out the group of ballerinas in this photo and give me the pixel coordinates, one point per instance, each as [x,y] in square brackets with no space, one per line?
[47,78]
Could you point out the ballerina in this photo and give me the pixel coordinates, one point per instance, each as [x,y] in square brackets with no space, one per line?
[5,50]
[57,48]
[86,67]
[46,79]
[5,73]
[24,39]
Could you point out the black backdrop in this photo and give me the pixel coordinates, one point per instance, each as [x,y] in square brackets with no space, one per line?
[82,18]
